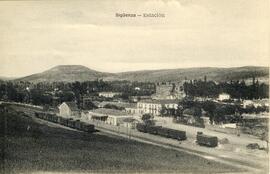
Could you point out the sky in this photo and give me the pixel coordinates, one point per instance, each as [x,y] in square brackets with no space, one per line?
[38,35]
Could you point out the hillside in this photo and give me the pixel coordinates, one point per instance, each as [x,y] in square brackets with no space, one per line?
[217,74]
[66,73]
[3,78]
[70,73]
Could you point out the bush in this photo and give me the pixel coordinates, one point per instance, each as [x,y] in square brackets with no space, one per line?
[253,146]
[223,141]
[194,111]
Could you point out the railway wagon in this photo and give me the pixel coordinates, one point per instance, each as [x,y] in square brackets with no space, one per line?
[141,127]
[78,124]
[71,123]
[172,133]
[87,127]
[164,132]
[153,129]
[63,121]
[177,134]
[40,115]
[54,118]
[46,117]
[206,140]
[49,117]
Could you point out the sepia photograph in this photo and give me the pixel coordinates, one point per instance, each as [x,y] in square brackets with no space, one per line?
[134,86]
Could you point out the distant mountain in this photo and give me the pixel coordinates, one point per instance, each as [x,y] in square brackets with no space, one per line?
[66,73]
[70,73]
[217,74]
[3,78]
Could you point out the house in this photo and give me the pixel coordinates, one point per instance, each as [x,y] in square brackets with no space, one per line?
[109,94]
[132,108]
[118,104]
[224,96]
[138,98]
[130,123]
[108,116]
[154,107]
[69,109]
[256,103]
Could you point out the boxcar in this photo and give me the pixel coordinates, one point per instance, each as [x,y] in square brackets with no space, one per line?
[50,117]
[206,140]
[39,115]
[63,121]
[164,132]
[177,134]
[54,118]
[45,117]
[141,127]
[36,114]
[87,127]
[59,119]
[71,123]
[78,124]
[152,129]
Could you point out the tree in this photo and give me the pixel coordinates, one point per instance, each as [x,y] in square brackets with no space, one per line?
[147,119]
[194,111]
[209,107]
[222,111]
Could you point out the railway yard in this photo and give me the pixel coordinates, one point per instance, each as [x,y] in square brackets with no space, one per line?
[182,156]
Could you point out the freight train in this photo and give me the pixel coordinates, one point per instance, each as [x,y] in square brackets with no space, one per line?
[68,122]
[161,131]
[206,140]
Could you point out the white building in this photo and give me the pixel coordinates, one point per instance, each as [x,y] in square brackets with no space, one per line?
[109,116]
[69,109]
[256,103]
[224,96]
[109,94]
[154,107]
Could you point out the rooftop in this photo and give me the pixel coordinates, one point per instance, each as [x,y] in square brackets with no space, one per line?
[106,111]
[72,105]
[167,101]
[119,104]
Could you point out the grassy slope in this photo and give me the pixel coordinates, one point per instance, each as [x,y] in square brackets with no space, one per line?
[44,148]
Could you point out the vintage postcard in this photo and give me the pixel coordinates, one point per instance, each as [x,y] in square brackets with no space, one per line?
[134,86]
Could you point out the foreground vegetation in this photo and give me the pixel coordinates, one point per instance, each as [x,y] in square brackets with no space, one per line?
[30,146]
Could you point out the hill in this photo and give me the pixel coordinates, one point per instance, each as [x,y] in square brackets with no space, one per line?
[66,73]
[3,78]
[217,74]
[70,73]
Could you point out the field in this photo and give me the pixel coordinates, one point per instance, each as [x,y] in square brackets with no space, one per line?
[30,146]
